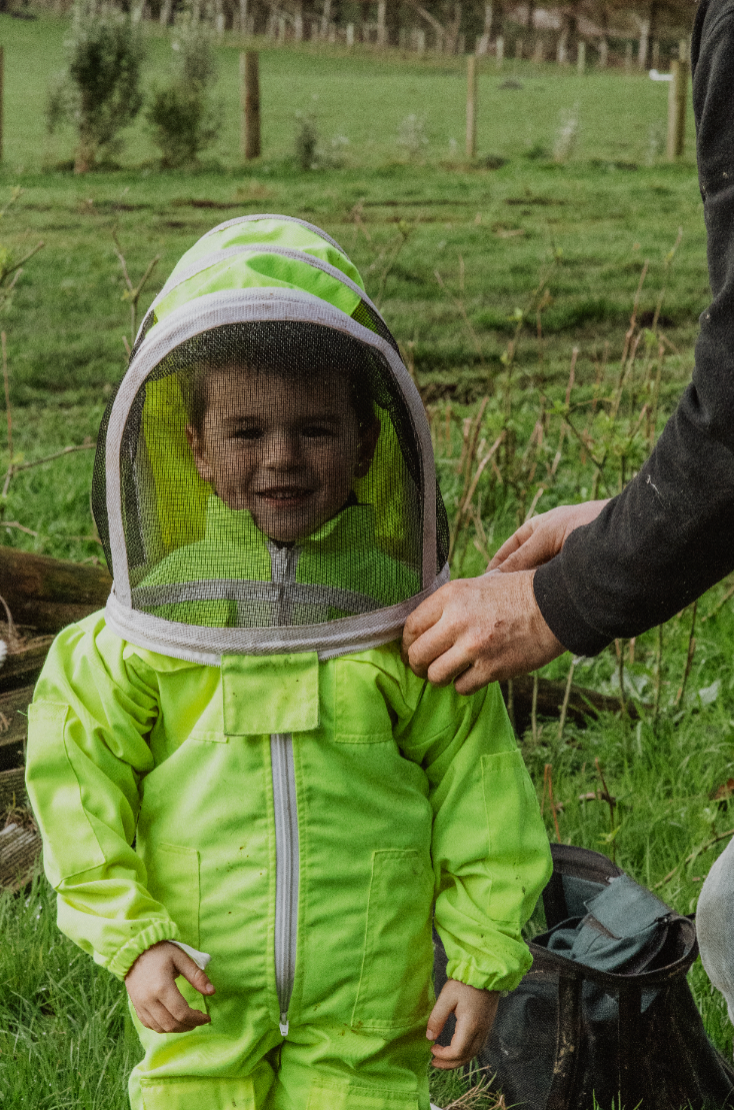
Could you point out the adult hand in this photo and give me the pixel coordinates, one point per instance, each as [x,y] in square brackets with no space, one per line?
[479,630]
[151,984]
[539,539]
[474,1010]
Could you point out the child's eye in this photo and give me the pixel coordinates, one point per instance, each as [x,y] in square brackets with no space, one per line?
[318,431]
[248,433]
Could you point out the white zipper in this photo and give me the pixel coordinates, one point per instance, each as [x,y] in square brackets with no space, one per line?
[283,562]
[286,869]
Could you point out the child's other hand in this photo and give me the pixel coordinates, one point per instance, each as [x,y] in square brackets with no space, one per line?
[151,984]
[474,1010]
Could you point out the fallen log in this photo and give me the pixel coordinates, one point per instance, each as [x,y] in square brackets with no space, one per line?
[582,702]
[50,593]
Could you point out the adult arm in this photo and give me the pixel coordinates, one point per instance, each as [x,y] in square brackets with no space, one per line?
[669,535]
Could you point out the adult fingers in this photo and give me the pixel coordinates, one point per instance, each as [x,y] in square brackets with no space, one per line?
[509,547]
[449,665]
[421,619]
[540,539]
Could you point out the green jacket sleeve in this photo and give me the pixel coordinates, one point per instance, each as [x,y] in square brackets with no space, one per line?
[87,750]
[490,851]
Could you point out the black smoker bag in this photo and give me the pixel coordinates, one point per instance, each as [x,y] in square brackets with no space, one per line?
[572,1032]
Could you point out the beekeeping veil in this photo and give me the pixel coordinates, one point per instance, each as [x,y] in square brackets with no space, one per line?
[264,479]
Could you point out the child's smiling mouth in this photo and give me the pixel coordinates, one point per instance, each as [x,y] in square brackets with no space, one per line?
[284,496]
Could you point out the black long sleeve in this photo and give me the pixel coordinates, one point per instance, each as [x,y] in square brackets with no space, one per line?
[669,535]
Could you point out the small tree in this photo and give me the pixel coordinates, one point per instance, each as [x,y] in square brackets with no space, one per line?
[100,92]
[183,119]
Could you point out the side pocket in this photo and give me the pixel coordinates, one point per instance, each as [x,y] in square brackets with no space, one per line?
[325,1095]
[69,844]
[173,880]
[394,984]
[187,1092]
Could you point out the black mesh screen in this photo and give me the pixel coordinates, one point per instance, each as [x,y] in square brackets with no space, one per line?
[270,475]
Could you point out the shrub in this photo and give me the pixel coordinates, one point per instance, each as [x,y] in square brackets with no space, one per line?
[100,93]
[307,140]
[181,115]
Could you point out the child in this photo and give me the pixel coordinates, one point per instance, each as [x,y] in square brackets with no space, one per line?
[233,757]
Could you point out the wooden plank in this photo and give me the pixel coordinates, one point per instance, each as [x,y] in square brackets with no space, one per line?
[19,850]
[24,666]
[14,725]
[12,789]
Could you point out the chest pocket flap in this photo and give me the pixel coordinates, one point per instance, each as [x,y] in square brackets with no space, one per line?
[270,693]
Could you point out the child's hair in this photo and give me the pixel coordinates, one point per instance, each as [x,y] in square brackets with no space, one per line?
[300,352]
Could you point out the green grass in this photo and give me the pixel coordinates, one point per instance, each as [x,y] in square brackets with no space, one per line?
[587,225]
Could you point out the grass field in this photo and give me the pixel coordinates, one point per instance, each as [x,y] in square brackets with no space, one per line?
[454,253]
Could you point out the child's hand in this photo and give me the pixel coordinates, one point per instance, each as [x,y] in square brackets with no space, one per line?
[158,1002]
[474,1010]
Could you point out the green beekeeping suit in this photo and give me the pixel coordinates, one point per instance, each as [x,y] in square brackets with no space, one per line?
[233,756]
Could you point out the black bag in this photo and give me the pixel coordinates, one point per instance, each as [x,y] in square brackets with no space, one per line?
[575,1029]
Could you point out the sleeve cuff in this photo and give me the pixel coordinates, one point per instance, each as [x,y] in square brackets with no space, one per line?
[503,979]
[560,613]
[128,954]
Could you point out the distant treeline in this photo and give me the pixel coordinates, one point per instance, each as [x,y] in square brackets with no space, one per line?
[528,29]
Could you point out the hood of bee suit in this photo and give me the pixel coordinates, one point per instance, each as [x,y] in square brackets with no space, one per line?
[264,480]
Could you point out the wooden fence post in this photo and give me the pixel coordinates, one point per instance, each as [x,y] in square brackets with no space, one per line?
[603,54]
[562,48]
[644,43]
[581,58]
[500,50]
[677,96]
[471,106]
[381,24]
[628,57]
[249,105]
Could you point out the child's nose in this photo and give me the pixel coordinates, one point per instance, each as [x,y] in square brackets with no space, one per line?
[283,451]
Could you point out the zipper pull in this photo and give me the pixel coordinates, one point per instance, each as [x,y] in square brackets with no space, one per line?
[284,1025]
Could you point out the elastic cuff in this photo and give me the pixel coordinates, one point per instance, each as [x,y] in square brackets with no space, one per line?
[560,613]
[128,954]
[466,971]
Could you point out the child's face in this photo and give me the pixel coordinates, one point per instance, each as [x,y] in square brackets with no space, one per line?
[285,450]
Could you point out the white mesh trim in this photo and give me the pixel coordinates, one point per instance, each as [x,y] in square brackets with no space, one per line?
[242,589]
[207,645]
[259,248]
[274,216]
[241,306]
